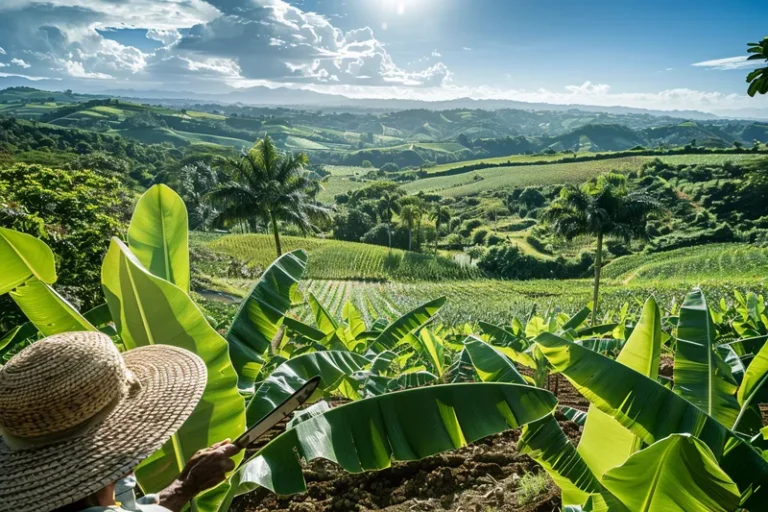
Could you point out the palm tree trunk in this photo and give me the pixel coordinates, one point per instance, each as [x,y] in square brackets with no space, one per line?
[598,269]
[410,237]
[437,236]
[276,234]
[389,234]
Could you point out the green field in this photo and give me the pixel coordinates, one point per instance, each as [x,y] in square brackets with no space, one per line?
[709,262]
[333,259]
[496,178]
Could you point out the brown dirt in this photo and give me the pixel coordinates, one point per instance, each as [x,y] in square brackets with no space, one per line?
[482,477]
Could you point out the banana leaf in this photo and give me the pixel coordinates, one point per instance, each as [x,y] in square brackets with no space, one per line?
[653,412]
[148,310]
[24,257]
[501,336]
[260,315]
[411,380]
[158,235]
[303,329]
[544,441]
[700,375]
[335,368]
[47,310]
[577,416]
[605,443]
[577,320]
[676,474]
[355,323]
[17,335]
[369,434]
[408,323]
[323,320]
[754,381]
[432,345]
[491,364]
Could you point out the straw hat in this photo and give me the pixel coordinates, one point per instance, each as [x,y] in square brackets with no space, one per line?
[76,415]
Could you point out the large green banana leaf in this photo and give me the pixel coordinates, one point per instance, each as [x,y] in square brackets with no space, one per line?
[676,474]
[158,235]
[491,364]
[409,425]
[408,323]
[261,314]
[653,412]
[335,368]
[605,443]
[544,441]
[701,376]
[754,379]
[24,257]
[47,310]
[148,310]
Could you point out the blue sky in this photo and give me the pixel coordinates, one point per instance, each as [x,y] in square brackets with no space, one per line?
[676,54]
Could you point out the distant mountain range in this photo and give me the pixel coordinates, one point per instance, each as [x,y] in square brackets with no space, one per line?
[296,98]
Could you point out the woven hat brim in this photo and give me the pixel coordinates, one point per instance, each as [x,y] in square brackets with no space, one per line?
[43,479]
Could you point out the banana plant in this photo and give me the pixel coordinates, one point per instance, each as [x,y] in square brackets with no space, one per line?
[653,413]
[28,274]
[149,309]
[367,435]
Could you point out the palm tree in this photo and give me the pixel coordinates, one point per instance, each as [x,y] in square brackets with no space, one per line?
[602,207]
[388,206]
[268,186]
[410,215]
[440,215]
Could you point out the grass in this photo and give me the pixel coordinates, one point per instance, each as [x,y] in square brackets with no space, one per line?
[704,262]
[494,161]
[300,143]
[531,485]
[337,260]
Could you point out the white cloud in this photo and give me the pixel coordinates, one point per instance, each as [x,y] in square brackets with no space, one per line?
[2,52]
[2,65]
[273,40]
[435,53]
[76,69]
[726,64]
[466,49]
[165,36]
[20,63]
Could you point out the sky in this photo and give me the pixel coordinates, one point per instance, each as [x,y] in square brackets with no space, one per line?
[671,54]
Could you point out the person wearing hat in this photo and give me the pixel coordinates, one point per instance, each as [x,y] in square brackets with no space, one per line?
[77,416]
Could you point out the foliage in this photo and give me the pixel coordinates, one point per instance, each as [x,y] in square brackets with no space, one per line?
[73,212]
[269,187]
[758,79]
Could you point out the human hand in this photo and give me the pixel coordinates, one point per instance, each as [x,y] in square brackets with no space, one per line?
[207,468]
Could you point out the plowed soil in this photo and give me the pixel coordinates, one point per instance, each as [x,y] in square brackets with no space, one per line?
[482,477]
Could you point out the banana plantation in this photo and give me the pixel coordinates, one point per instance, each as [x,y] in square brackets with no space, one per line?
[657,409]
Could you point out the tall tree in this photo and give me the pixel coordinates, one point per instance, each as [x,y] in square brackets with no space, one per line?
[270,187]
[601,207]
[409,216]
[758,79]
[388,206]
[440,215]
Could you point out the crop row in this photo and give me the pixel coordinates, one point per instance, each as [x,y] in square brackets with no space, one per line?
[333,259]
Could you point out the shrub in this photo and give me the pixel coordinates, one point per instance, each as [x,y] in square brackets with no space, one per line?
[479,236]
[469,225]
[390,167]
